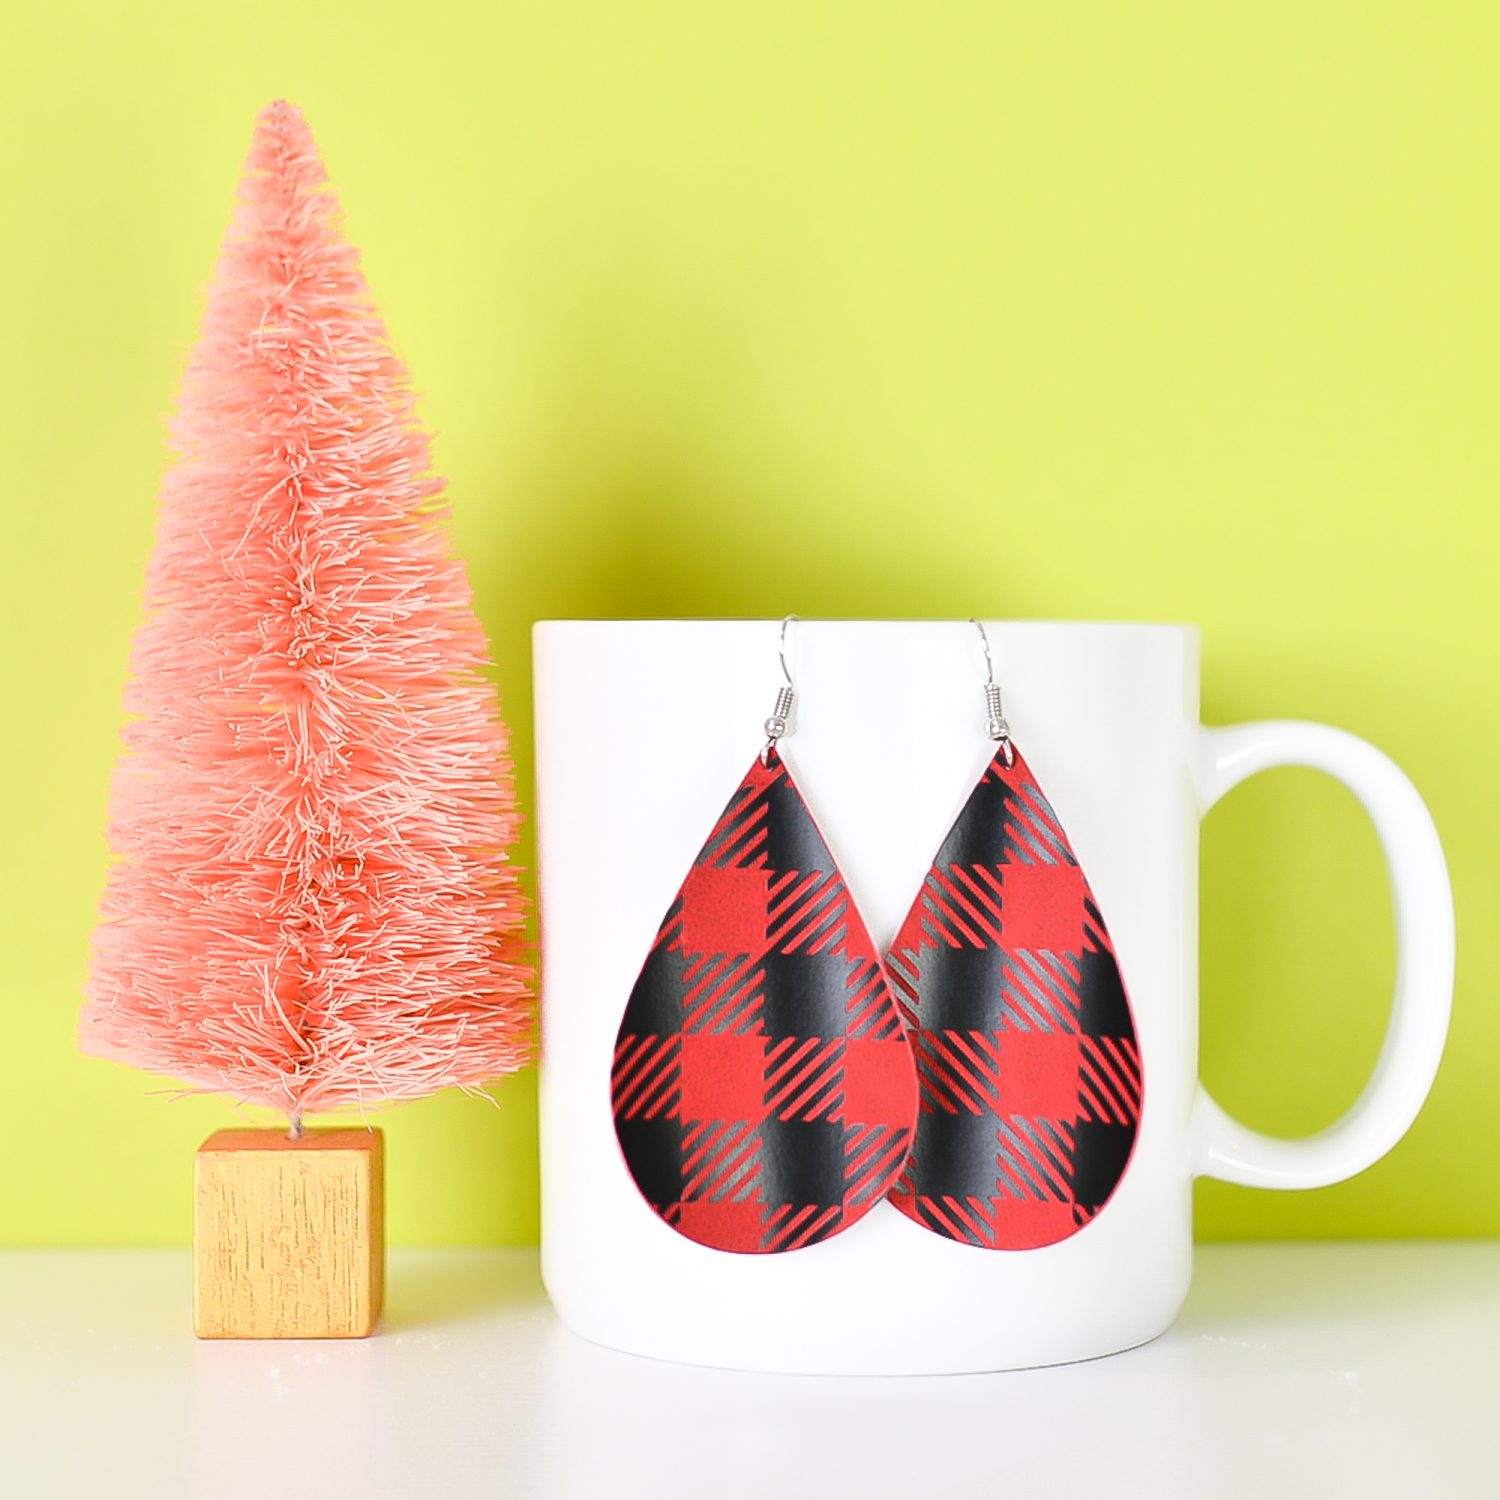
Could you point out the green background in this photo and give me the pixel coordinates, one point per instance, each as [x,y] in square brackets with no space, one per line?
[1159,310]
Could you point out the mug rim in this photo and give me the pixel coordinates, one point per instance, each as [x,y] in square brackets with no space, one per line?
[1182,627]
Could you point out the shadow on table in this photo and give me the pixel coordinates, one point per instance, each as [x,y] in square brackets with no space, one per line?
[1234,1285]
[428,1291]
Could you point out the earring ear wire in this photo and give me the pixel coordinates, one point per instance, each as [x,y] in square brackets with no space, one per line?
[780,721]
[997,728]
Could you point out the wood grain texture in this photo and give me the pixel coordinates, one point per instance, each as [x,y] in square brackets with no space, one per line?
[288,1236]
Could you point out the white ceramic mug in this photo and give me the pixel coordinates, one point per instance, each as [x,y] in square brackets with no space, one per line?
[644,729]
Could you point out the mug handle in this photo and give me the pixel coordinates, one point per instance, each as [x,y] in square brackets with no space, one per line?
[1423,899]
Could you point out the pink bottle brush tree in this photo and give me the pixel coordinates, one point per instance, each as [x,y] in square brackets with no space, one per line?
[313,906]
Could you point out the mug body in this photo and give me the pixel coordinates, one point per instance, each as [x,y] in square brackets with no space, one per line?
[644,729]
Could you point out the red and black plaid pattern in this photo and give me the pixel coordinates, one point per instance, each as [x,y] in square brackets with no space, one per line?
[763,1089]
[1024,1040]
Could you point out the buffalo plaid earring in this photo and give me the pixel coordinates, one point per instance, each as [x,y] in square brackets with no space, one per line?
[1024,1038]
[763,1089]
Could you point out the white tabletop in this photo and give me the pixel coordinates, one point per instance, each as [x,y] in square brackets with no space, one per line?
[1354,1369]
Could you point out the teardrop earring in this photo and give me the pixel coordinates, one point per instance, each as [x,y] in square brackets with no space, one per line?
[763,1088]
[1025,1042]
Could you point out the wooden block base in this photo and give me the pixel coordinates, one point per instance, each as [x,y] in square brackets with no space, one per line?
[288,1236]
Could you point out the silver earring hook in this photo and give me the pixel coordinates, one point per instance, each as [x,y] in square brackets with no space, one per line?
[781,649]
[997,728]
[786,696]
[984,640]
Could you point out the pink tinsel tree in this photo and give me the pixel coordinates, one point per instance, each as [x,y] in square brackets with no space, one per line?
[312,906]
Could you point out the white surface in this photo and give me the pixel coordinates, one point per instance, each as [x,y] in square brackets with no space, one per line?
[644,729]
[1365,1370]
